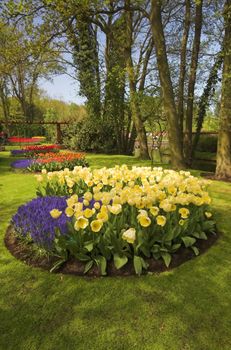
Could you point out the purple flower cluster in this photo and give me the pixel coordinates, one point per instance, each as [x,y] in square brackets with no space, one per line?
[34,220]
[22,163]
[18,152]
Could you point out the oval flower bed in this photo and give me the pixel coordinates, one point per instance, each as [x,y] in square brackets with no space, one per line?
[119,219]
[51,162]
[33,151]
[20,140]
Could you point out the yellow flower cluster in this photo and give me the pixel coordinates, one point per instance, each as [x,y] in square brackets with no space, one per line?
[152,193]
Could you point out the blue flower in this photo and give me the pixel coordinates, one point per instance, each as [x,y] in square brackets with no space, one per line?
[34,220]
[22,163]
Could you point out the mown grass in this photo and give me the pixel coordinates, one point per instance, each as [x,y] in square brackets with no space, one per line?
[187,308]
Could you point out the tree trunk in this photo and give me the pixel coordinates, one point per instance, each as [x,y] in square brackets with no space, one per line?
[166,86]
[114,101]
[135,108]
[5,101]
[223,168]
[192,81]
[183,57]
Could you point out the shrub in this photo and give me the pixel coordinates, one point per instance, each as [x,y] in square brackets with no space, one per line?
[89,135]
[120,214]
[207,143]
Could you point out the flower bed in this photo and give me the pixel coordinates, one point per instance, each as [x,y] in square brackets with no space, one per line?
[53,162]
[32,220]
[33,151]
[118,216]
[21,163]
[35,139]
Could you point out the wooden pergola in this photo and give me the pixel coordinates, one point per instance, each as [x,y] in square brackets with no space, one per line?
[58,127]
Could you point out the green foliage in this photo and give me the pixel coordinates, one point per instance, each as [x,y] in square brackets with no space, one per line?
[207,143]
[90,135]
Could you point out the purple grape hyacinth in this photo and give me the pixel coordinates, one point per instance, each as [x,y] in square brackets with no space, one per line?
[18,152]
[22,163]
[34,220]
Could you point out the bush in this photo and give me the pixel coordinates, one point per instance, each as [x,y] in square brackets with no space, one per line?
[207,143]
[120,214]
[90,135]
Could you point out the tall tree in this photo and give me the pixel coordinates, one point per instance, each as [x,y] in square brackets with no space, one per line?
[134,101]
[223,168]
[182,73]
[192,80]
[166,85]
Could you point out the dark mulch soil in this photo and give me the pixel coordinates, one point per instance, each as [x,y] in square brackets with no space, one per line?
[26,253]
[211,176]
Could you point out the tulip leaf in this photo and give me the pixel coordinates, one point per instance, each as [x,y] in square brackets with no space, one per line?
[120,261]
[196,250]
[167,258]
[102,263]
[88,266]
[137,265]
[89,246]
[188,241]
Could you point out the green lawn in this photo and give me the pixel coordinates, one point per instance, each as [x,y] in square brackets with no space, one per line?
[188,308]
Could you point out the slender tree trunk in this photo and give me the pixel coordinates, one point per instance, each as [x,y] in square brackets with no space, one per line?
[5,101]
[166,86]
[192,81]
[135,108]
[223,168]
[183,58]
[204,100]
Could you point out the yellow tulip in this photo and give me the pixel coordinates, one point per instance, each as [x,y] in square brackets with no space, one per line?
[102,216]
[115,209]
[97,205]
[87,196]
[69,212]
[184,212]
[161,220]
[55,213]
[144,220]
[86,203]
[154,211]
[88,213]
[129,235]
[81,223]
[96,225]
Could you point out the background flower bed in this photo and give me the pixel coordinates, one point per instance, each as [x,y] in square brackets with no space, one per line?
[51,162]
[22,140]
[127,215]
[33,151]
[54,162]
[21,163]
